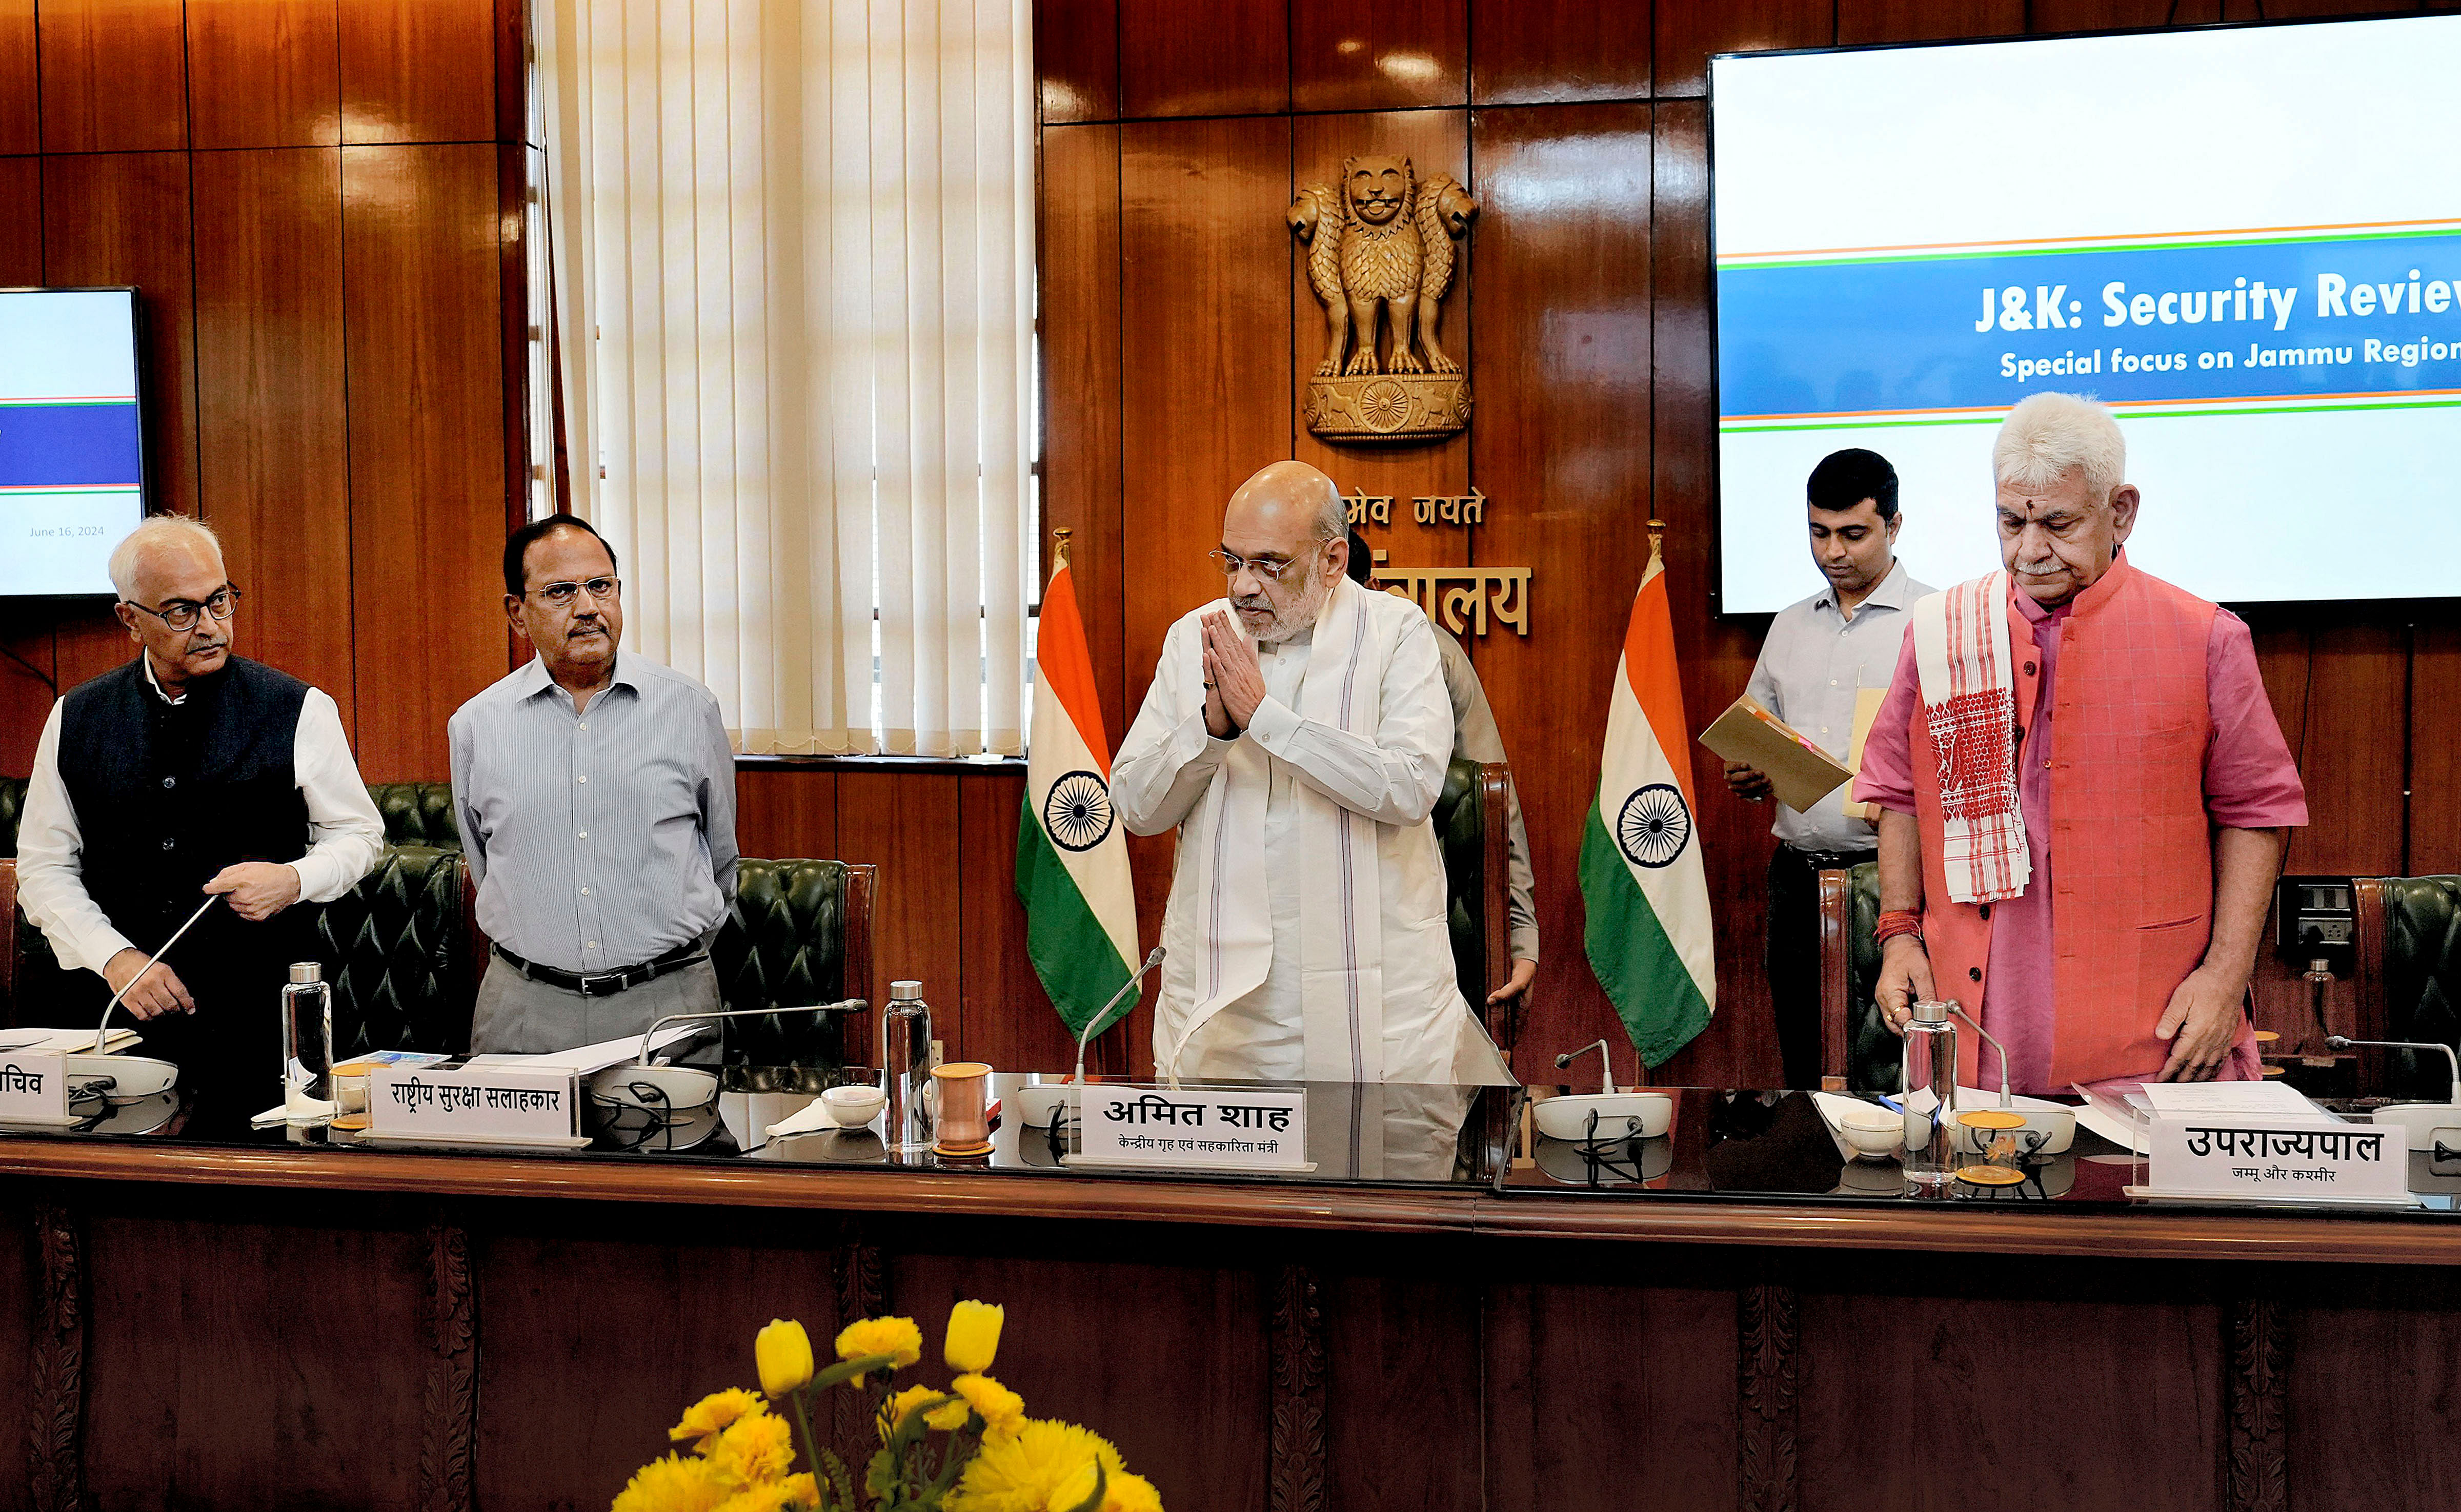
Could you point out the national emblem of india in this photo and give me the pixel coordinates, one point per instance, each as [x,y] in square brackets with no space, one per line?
[1381,254]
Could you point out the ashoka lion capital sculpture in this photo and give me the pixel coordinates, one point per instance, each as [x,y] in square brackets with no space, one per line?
[1380,252]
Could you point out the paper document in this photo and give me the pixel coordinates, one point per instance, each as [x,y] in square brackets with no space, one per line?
[2189,1100]
[65,1041]
[1867,709]
[1800,772]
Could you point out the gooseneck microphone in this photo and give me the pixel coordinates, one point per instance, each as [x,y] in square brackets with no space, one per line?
[2346,1042]
[103,1029]
[1095,1025]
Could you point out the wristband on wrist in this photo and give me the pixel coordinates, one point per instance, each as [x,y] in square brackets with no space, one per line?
[1899,921]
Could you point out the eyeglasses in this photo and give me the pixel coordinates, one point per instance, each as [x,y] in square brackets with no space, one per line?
[560,594]
[183,614]
[1269,571]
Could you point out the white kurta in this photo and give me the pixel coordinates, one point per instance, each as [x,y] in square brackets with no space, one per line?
[1302,1015]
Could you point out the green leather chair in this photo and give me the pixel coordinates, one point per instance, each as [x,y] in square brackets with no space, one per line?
[12,804]
[1472,826]
[418,814]
[800,934]
[396,949]
[2409,979]
[1854,1043]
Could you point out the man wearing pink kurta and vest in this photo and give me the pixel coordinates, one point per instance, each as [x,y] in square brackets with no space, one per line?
[2099,899]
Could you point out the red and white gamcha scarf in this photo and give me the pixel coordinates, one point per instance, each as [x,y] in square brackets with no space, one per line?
[1970,705]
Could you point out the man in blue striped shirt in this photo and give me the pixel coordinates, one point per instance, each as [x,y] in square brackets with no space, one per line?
[596,800]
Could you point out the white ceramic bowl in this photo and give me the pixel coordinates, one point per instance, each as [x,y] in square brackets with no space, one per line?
[1873,1133]
[627,1098]
[1621,1115]
[1032,1106]
[855,1104]
[133,1077]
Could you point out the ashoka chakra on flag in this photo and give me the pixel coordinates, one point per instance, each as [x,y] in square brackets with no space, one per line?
[1078,812]
[1654,826]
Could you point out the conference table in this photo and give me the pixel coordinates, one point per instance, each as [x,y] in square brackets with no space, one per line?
[1447,1311]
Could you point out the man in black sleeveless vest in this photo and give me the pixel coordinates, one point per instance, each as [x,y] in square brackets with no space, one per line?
[187,774]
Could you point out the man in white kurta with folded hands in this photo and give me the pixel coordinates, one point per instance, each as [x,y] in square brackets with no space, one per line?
[1296,734]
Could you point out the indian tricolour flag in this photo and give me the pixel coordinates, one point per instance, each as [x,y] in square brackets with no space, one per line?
[1649,934]
[1072,856]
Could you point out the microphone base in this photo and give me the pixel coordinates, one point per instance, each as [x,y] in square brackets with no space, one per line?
[2424,1124]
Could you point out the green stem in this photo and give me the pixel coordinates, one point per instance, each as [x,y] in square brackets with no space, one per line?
[811,1446]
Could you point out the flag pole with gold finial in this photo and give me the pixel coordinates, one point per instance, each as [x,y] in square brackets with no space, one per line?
[1059,549]
[1656,535]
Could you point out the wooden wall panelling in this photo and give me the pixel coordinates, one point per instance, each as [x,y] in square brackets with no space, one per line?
[2045,17]
[1668,1353]
[255,1394]
[1541,51]
[419,70]
[1561,324]
[25,697]
[271,409]
[265,73]
[420,281]
[1077,58]
[1009,1018]
[1435,142]
[1687,34]
[2400,1331]
[21,221]
[618,1381]
[2301,9]
[1379,54]
[1205,309]
[1081,464]
[2435,751]
[23,1316]
[786,812]
[21,94]
[1237,62]
[122,218]
[115,75]
[1740,1046]
[514,342]
[1860,21]
[1948,1357]
[2342,728]
[907,825]
[1410,1336]
[1087,1331]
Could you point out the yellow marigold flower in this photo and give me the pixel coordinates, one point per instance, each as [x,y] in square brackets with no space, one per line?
[1127,1493]
[756,1449]
[769,1496]
[804,1490]
[1027,1470]
[674,1484]
[948,1417]
[897,1337]
[1003,1411]
[712,1413]
[905,1403]
[784,1352]
[974,1336]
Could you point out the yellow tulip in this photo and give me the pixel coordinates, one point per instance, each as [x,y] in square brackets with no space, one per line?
[784,1352]
[974,1336]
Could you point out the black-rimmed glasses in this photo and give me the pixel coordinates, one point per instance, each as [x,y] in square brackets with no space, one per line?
[183,614]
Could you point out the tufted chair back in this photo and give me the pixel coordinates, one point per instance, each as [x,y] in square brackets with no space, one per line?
[800,933]
[396,948]
[1470,826]
[1853,1042]
[416,814]
[2408,981]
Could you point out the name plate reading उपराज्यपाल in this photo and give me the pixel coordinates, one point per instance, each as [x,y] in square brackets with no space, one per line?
[489,1103]
[2275,1159]
[1193,1129]
[33,1088]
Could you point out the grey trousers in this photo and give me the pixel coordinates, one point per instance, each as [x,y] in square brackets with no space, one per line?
[516,1015]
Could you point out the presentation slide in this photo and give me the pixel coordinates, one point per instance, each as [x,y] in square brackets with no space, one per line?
[2246,241]
[71,466]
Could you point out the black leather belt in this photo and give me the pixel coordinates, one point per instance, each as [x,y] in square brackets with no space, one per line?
[1831,859]
[604,984]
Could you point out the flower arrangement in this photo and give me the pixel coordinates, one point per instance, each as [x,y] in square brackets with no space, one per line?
[968,1447]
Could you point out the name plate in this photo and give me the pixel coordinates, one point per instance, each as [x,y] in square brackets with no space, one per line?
[471,1102]
[33,1088]
[2277,1159]
[1194,1129]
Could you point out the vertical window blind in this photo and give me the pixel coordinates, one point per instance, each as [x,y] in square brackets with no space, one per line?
[791,251]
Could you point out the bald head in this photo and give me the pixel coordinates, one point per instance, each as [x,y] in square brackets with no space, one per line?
[1288,515]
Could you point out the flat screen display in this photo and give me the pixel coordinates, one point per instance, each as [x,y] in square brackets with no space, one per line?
[2247,241]
[71,459]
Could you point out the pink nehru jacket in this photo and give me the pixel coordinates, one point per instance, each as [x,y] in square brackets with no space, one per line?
[2248,781]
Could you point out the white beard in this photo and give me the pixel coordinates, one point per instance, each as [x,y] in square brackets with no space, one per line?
[1299,617]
